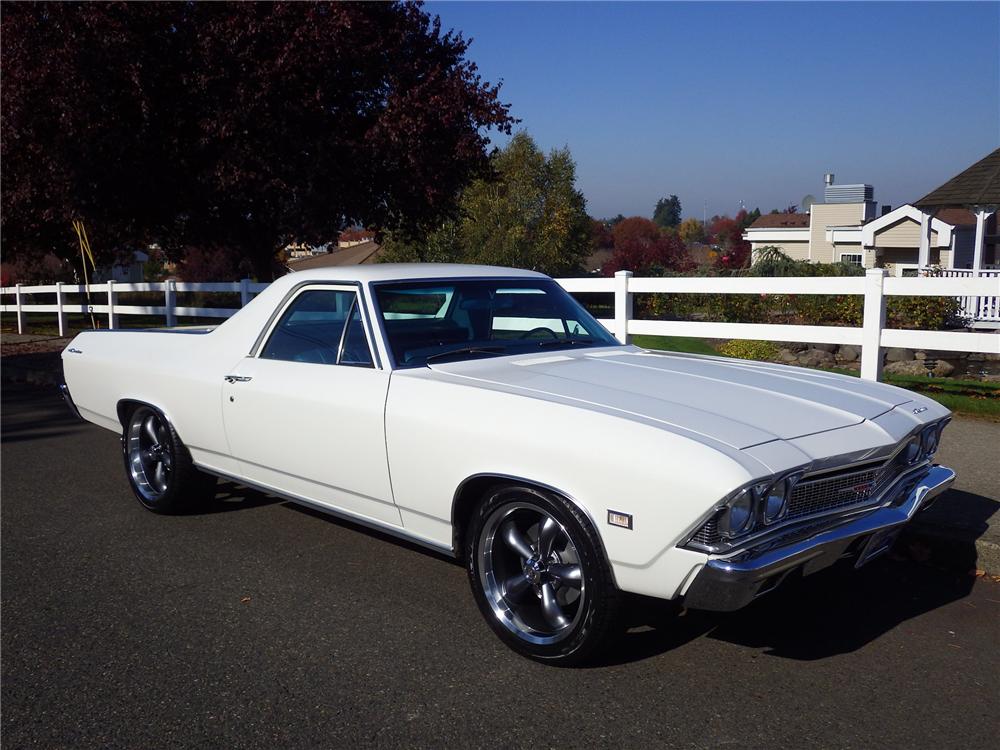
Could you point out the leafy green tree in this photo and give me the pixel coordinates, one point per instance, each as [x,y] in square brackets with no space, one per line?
[667,212]
[531,215]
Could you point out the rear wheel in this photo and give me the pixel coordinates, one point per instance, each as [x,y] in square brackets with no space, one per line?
[159,467]
[538,575]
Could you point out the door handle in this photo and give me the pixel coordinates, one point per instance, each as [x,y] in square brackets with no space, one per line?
[237,378]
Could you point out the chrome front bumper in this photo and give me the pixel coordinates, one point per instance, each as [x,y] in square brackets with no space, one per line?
[731,582]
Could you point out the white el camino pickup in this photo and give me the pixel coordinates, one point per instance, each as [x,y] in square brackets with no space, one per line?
[483,412]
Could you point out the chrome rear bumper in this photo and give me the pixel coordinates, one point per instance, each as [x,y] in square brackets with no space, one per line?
[731,582]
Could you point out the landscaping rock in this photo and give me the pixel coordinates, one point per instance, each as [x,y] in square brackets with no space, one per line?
[815,358]
[848,353]
[898,355]
[786,355]
[916,367]
[825,347]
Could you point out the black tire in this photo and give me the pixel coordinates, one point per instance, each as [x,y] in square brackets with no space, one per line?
[158,465]
[565,623]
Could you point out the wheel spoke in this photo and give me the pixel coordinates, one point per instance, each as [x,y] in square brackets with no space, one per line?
[515,540]
[567,575]
[515,586]
[547,537]
[150,427]
[160,476]
[551,610]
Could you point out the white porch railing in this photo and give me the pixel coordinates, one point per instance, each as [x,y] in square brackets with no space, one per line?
[872,336]
[982,311]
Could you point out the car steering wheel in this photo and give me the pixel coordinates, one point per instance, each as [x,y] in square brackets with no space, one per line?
[540,329]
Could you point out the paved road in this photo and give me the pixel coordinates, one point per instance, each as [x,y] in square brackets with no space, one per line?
[260,625]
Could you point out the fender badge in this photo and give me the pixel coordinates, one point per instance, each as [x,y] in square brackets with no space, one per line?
[920,410]
[624,520]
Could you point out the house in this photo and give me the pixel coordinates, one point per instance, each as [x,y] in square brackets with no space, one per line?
[845,228]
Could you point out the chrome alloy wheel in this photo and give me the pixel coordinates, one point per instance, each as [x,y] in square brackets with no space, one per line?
[150,454]
[531,574]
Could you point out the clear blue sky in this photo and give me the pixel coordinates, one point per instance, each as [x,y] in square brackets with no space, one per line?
[720,102]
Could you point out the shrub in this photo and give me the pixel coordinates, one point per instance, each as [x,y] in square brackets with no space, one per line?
[743,349]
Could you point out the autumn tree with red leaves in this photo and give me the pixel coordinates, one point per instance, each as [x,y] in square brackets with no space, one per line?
[645,249]
[237,125]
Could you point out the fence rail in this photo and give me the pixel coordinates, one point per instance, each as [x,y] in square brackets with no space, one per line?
[872,336]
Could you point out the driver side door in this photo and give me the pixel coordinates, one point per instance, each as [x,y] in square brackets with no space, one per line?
[304,412]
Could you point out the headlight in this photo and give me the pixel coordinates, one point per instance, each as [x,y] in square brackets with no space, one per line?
[912,452]
[931,438]
[738,516]
[775,501]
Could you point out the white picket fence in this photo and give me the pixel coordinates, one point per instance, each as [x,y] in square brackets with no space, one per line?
[872,336]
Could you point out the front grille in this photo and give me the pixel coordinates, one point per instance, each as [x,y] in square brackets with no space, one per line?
[843,489]
[826,492]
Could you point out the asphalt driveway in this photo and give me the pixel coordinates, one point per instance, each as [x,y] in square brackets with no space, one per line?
[257,624]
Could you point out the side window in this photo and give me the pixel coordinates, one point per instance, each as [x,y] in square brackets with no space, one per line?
[312,328]
[355,351]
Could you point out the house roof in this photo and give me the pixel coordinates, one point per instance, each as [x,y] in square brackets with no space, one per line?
[366,252]
[977,185]
[781,221]
[957,217]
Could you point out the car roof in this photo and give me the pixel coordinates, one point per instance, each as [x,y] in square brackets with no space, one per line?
[407,271]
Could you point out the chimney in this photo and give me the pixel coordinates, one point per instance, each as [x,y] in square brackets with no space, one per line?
[828,179]
[886,209]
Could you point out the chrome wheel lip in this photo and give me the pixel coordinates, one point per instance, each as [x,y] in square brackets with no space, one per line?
[149,454]
[518,616]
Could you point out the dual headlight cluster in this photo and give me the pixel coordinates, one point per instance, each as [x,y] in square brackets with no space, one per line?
[924,445]
[765,503]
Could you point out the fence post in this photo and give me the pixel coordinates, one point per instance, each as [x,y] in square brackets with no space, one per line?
[244,292]
[170,301]
[60,313]
[112,297]
[20,312]
[874,322]
[623,306]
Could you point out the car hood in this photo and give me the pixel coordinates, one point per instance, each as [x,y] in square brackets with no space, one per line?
[735,402]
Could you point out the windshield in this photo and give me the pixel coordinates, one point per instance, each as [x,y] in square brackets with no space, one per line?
[446,321]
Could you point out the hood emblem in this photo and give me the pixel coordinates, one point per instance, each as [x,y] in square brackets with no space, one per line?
[920,410]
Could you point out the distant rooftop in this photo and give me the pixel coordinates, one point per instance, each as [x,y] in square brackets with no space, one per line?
[781,221]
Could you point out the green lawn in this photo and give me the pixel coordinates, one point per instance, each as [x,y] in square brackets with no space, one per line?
[686,344]
[969,397]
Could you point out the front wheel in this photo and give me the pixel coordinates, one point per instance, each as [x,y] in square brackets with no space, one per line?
[158,466]
[539,576]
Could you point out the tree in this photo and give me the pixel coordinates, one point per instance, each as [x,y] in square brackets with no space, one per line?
[667,212]
[234,125]
[530,215]
[645,249]
[691,230]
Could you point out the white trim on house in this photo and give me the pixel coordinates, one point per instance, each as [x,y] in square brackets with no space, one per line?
[777,235]
[843,235]
[906,211]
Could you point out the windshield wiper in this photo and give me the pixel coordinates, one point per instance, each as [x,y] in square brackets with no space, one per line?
[566,342]
[466,350]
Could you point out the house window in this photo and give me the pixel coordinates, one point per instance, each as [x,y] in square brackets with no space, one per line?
[855,259]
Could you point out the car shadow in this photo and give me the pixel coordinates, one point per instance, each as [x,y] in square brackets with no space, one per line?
[230,497]
[833,612]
